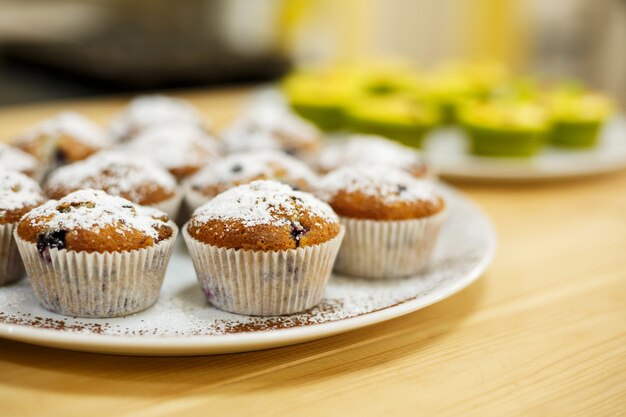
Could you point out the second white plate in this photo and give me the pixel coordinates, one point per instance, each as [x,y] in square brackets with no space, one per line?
[446,151]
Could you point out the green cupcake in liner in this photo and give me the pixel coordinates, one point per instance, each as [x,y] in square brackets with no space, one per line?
[448,91]
[577,119]
[397,117]
[507,129]
[321,96]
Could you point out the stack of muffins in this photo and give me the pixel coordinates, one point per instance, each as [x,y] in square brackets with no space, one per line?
[268,209]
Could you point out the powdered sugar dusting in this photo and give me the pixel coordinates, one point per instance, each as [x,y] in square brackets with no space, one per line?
[183,313]
[389,184]
[116,173]
[367,150]
[262,202]
[244,167]
[151,110]
[95,209]
[14,159]
[69,124]
[17,191]
[175,145]
[270,128]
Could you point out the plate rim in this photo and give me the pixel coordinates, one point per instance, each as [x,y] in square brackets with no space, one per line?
[250,341]
[511,173]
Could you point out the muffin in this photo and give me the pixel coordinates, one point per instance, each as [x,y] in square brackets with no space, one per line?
[65,138]
[320,95]
[18,195]
[447,90]
[398,117]
[134,178]
[243,168]
[14,159]
[577,118]
[268,128]
[263,248]
[90,254]
[505,128]
[182,149]
[150,110]
[392,220]
[371,150]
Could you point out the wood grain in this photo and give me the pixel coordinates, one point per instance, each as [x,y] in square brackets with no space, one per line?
[543,333]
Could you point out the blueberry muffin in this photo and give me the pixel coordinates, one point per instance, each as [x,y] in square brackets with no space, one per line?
[268,128]
[392,220]
[65,138]
[135,178]
[371,150]
[18,195]
[243,168]
[182,149]
[150,110]
[14,159]
[91,254]
[263,248]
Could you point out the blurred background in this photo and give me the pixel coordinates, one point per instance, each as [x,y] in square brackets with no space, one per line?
[52,49]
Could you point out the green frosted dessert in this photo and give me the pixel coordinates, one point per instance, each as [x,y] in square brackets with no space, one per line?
[321,94]
[398,117]
[577,119]
[509,129]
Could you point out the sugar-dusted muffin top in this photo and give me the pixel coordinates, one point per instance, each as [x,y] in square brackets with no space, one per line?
[371,150]
[150,110]
[135,178]
[379,193]
[18,195]
[275,129]
[182,149]
[93,221]
[265,216]
[242,168]
[15,159]
[66,137]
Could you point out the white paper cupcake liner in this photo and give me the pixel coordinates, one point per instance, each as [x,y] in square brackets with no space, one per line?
[194,199]
[108,284]
[262,283]
[172,205]
[11,265]
[388,249]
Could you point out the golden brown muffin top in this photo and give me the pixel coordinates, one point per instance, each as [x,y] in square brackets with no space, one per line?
[181,148]
[135,178]
[147,111]
[264,216]
[18,195]
[15,159]
[379,193]
[67,137]
[371,150]
[274,129]
[243,168]
[93,221]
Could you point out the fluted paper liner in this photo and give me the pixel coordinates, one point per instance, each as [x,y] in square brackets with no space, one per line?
[262,283]
[194,199]
[388,249]
[171,205]
[11,265]
[108,284]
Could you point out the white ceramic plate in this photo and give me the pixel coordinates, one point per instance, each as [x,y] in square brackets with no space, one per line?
[182,323]
[446,151]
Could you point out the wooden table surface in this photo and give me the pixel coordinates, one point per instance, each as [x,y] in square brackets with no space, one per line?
[542,333]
